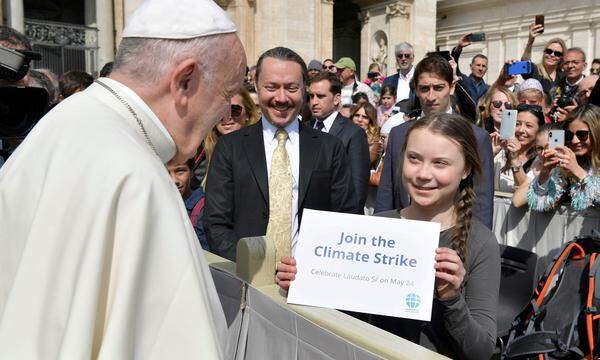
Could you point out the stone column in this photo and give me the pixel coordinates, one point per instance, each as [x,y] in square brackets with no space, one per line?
[105,24]
[242,14]
[398,15]
[365,41]
[324,30]
[15,15]
[118,19]
[423,25]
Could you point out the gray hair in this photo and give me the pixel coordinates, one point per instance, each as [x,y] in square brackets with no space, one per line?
[147,60]
[403,46]
[576,49]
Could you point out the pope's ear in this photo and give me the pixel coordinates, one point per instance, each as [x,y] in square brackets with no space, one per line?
[184,81]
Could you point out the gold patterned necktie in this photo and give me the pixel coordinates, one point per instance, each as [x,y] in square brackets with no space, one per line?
[279,228]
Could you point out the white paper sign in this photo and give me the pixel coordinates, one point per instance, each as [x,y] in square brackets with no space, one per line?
[367,264]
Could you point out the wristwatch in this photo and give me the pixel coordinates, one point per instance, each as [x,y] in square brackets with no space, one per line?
[515,169]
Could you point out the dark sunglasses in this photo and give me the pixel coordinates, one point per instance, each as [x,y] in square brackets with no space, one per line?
[527,107]
[553,52]
[236,110]
[330,67]
[582,135]
[498,105]
[403,56]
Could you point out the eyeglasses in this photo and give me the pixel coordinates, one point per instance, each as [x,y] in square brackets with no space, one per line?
[236,110]
[403,56]
[330,67]
[553,52]
[582,135]
[498,105]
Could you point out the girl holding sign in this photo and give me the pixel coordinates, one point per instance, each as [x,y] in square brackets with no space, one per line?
[439,162]
[440,159]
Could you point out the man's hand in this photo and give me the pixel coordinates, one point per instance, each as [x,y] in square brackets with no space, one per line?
[286,272]
[464,41]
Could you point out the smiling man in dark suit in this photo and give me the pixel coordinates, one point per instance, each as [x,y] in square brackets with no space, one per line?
[324,92]
[263,176]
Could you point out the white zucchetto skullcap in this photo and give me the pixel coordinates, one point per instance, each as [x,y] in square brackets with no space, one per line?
[180,19]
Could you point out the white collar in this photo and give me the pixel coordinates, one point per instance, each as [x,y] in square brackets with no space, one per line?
[292,129]
[448,111]
[409,75]
[328,121]
[165,146]
[576,82]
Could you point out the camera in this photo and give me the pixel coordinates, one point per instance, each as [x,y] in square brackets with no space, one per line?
[20,106]
[567,97]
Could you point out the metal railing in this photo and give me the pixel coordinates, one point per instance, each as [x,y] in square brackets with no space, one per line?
[63,46]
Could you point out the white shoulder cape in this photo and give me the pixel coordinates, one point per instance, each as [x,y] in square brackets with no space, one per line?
[98,259]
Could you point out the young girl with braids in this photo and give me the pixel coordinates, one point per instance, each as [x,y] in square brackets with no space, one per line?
[439,160]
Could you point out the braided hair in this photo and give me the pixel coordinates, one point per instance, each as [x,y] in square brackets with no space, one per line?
[459,130]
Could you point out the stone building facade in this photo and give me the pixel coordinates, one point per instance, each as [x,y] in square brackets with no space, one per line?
[84,34]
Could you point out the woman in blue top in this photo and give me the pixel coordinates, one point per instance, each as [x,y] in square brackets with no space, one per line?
[570,173]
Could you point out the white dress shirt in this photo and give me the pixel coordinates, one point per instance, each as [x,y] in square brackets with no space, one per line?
[403,89]
[328,122]
[292,146]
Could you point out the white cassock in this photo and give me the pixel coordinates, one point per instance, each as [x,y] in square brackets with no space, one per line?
[98,259]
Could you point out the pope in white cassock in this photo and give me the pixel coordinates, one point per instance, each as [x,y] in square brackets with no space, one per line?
[98,258]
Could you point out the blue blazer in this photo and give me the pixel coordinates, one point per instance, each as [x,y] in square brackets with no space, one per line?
[391,193]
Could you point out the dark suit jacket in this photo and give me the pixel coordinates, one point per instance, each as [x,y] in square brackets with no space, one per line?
[391,193]
[237,188]
[357,150]
[405,105]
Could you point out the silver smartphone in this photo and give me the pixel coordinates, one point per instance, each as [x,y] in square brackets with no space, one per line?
[508,124]
[556,138]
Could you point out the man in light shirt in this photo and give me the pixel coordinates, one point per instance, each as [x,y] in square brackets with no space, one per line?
[401,80]
[346,69]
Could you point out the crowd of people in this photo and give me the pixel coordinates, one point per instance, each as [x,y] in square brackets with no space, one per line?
[423,143]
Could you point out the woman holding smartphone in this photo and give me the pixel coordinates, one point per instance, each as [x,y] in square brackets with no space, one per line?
[548,72]
[439,161]
[570,173]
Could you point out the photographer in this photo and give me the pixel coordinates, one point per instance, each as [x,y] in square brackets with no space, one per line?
[564,95]
[20,106]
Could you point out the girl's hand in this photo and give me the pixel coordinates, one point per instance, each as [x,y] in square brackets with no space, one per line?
[286,272]
[449,273]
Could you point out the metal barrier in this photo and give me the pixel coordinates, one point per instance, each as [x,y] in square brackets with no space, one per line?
[301,332]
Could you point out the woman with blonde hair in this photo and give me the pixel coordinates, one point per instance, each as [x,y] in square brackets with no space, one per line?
[365,116]
[243,113]
[548,72]
[497,99]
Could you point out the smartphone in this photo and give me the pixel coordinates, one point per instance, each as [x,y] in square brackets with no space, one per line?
[444,54]
[539,20]
[556,138]
[518,68]
[508,124]
[477,37]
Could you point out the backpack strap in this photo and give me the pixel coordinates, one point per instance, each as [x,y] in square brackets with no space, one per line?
[196,211]
[558,264]
[592,301]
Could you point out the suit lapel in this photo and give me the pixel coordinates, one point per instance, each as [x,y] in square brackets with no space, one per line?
[254,148]
[338,124]
[310,146]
